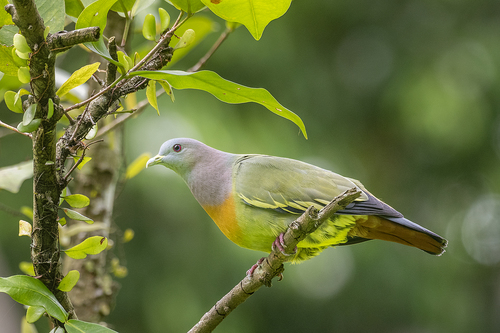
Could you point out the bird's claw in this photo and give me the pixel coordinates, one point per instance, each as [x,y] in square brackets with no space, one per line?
[254,267]
[279,243]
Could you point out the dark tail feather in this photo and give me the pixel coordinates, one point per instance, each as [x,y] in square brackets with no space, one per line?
[399,230]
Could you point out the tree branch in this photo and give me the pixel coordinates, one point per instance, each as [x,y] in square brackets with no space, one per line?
[64,40]
[272,265]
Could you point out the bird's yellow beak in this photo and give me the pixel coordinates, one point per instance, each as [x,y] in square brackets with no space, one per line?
[154,160]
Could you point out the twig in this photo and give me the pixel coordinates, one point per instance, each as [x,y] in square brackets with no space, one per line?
[272,265]
[80,160]
[15,129]
[212,50]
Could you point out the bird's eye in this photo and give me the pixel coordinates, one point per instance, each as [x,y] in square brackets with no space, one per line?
[177,147]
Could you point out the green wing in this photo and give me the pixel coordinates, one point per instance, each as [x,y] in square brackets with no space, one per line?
[287,185]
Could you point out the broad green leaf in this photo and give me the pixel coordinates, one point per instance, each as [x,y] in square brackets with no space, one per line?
[137,165]
[24,228]
[73,7]
[34,313]
[255,15]
[29,114]
[93,15]
[189,6]
[23,74]
[92,245]
[12,177]
[30,291]
[7,65]
[122,6]
[203,26]
[78,78]
[7,33]
[52,13]
[85,161]
[78,326]
[77,200]
[27,268]
[5,18]
[69,281]
[224,90]
[151,95]
[77,216]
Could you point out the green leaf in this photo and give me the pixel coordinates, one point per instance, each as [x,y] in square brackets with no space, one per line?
[151,95]
[69,281]
[73,7]
[96,15]
[12,177]
[30,291]
[224,90]
[27,268]
[5,18]
[149,27]
[189,6]
[255,15]
[77,200]
[202,25]
[78,326]
[187,39]
[31,127]
[34,313]
[77,216]
[21,44]
[29,114]
[85,161]
[7,64]
[62,221]
[164,19]
[137,165]
[52,13]
[168,89]
[23,74]
[12,104]
[27,327]
[123,6]
[92,245]
[50,110]
[78,78]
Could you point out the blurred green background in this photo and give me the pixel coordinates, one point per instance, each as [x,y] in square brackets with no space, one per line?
[402,95]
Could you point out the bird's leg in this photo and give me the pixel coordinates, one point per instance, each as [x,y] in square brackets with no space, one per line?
[254,267]
[279,243]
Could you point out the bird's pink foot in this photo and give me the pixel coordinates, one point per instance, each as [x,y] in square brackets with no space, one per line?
[279,243]
[254,267]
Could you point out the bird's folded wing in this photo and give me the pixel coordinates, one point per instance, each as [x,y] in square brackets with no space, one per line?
[287,185]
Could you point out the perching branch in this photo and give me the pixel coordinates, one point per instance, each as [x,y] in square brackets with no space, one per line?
[12,128]
[272,265]
[64,40]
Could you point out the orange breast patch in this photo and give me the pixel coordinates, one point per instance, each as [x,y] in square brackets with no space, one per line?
[224,216]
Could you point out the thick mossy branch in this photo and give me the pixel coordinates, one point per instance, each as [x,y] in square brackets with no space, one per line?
[272,265]
[64,40]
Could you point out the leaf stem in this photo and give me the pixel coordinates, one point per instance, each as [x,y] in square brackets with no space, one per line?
[212,50]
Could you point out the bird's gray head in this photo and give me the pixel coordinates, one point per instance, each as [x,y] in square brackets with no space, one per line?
[180,154]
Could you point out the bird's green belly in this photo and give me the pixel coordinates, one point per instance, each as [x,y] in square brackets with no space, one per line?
[260,227]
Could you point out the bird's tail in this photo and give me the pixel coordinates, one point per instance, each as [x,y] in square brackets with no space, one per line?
[399,230]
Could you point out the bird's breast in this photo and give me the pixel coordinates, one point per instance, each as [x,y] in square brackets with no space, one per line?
[224,215]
